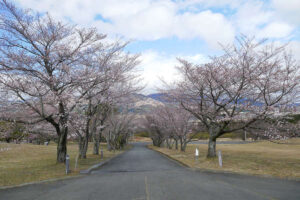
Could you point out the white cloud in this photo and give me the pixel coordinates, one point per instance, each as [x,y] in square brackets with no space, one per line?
[192,4]
[294,47]
[196,59]
[276,30]
[257,18]
[288,10]
[185,19]
[141,19]
[160,19]
[212,27]
[151,23]
[158,66]
[250,16]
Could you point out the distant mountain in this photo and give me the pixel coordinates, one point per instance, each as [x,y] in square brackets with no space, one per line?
[142,103]
[162,97]
[158,97]
[139,97]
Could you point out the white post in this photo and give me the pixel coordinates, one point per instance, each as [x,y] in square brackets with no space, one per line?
[67,164]
[196,153]
[220,158]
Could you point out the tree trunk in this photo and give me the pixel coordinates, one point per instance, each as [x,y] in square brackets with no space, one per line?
[108,142]
[80,147]
[181,143]
[176,144]
[108,146]
[85,142]
[211,153]
[95,136]
[168,144]
[244,135]
[157,141]
[214,133]
[183,146]
[62,145]
[62,132]
[96,144]
[84,148]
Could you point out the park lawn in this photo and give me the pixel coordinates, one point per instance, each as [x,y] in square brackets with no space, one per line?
[24,163]
[259,158]
[140,139]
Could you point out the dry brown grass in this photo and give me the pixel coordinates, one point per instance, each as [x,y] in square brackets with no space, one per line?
[141,139]
[261,158]
[24,163]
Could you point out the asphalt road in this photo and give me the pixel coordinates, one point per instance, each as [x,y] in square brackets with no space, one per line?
[142,174]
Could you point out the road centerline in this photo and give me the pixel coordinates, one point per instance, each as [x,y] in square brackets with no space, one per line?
[147,189]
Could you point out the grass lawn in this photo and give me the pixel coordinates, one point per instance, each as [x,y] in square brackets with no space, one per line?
[140,139]
[260,158]
[23,163]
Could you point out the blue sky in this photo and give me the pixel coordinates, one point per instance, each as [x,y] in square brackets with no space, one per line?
[161,30]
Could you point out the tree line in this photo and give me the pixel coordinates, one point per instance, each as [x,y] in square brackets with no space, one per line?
[66,81]
[252,86]
[63,79]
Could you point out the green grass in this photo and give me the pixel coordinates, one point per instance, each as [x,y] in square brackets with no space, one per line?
[260,158]
[28,163]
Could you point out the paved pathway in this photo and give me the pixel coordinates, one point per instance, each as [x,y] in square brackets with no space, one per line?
[142,174]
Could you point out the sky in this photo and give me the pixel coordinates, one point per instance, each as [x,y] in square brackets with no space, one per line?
[163,30]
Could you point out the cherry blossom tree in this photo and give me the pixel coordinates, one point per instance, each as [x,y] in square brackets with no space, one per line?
[98,124]
[181,124]
[238,88]
[275,128]
[118,129]
[11,131]
[116,80]
[156,127]
[43,63]
[172,124]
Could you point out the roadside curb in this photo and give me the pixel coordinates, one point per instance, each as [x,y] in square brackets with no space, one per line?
[38,182]
[244,174]
[96,166]
[222,172]
[172,159]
